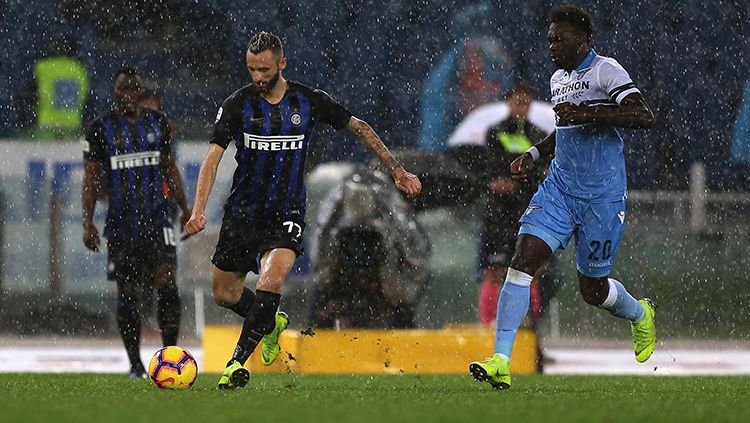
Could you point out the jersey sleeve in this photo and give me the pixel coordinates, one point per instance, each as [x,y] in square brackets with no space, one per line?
[331,112]
[228,122]
[615,81]
[93,142]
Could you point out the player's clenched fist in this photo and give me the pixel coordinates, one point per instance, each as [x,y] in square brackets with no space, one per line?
[407,182]
[196,224]
[91,237]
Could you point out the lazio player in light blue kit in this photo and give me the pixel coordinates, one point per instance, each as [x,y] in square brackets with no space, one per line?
[584,197]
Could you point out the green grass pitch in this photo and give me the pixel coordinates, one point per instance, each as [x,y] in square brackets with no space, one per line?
[291,398]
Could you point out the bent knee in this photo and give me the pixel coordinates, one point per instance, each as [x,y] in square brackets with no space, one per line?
[528,265]
[227,287]
[224,297]
[165,275]
[592,298]
[593,290]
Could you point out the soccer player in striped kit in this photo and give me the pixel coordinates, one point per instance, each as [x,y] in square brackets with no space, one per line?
[128,150]
[583,198]
[271,123]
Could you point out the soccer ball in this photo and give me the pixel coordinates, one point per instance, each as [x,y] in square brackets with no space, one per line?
[173,367]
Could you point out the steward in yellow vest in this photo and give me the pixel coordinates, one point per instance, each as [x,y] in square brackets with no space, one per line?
[62,90]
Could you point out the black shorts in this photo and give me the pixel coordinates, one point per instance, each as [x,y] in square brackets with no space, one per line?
[498,240]
[136,261]
[242,243]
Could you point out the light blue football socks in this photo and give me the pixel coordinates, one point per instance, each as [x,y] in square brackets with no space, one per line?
[511,309]
[621,304]
[513,305]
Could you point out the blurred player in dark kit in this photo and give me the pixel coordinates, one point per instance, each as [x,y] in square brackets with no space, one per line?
[128,152]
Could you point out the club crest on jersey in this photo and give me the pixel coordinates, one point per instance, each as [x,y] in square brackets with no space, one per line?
[531,209]
[295,118]
[151,137]
[582,73]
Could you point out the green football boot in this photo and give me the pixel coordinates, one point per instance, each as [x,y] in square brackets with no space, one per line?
[494,370]
[270,349]
[235,376]
[644,332]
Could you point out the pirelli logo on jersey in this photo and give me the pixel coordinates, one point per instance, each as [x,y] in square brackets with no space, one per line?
[274,142]
[128,161]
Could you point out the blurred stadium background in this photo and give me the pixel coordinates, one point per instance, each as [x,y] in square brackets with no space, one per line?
[686,244]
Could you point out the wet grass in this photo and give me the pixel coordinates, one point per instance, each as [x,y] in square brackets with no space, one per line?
[383,399]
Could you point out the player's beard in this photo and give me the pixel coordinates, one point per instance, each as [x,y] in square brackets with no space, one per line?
[271,83]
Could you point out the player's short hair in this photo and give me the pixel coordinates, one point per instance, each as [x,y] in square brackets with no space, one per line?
[575,16]
[265,41]
[126,70]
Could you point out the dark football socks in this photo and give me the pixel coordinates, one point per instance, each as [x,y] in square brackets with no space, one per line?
[260,320]
[246,301]
[168,314]
[129,324]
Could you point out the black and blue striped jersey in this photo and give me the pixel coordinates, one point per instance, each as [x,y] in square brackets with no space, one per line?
[271,142]
[130,155]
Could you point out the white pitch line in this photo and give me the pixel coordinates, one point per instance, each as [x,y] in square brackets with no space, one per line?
[662,363]
[107,359]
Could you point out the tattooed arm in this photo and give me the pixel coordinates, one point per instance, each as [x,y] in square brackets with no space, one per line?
[405,181]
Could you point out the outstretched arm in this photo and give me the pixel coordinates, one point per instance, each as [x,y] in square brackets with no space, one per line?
[405,181]
[206,179]
[92,171]
[633,112]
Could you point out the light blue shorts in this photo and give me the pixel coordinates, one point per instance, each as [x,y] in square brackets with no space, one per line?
[597,227]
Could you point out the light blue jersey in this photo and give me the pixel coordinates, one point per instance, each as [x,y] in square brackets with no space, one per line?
[585,195]
[589,162]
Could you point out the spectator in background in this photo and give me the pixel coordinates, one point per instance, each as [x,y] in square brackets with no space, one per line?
[476,69]
[506,202]
[484,144]
[506,199]
[52,104]
[370,256]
